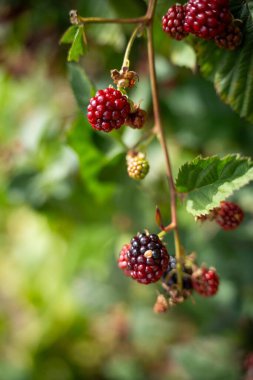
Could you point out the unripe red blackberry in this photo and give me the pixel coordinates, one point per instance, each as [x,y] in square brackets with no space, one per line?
[108,110]
[122,260]
[147,258]
[137,165]
[173,22]
[137,118]
[169,278]
[229,215]
[230,39]
[207,19]
[205,281]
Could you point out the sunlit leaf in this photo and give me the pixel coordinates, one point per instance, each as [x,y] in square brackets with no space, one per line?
[208,181]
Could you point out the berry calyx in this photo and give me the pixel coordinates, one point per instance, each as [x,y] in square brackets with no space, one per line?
[124,78]
[136,119]
[205,281]
[123,260]
[147,258]
[108,110]
[207,19]
[229,215]
[137,165]
[173,22]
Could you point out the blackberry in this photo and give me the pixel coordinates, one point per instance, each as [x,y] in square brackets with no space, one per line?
[230,39]
[137,165]
[169,278]
[122,260]
[136,119]
[147,258]
[205,281]
[229,215]
[173,22]
[207,19]
[108,110]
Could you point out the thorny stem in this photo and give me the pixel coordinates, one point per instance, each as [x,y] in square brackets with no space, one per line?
[147,21]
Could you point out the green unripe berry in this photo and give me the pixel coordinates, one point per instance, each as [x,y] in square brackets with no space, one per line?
[137,165]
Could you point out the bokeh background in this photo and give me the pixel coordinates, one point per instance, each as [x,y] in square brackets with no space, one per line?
[66,311]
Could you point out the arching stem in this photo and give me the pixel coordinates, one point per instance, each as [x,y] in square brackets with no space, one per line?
[162,139]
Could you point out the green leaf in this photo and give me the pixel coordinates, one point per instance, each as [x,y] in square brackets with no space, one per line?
[69,35]
[82,87]
[231,71]
[208,181]
[78,47]
[183,55]
[92,161]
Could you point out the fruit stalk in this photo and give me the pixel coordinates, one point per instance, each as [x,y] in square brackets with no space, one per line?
[126,62]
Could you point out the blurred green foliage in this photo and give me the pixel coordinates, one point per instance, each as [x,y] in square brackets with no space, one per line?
[66,313]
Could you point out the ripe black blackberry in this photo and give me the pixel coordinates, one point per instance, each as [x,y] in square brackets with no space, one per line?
[173,22]
[207,19]
[147,258]
[169,278]
[108,110]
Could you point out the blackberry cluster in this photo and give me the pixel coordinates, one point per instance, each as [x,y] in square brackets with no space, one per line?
[146,257]
[169,278]
[206,19]
[108,110]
